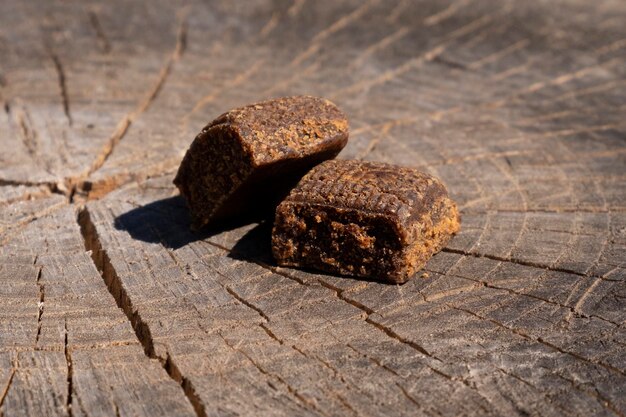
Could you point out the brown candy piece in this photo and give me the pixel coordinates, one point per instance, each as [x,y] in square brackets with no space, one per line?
[249,158]
[364,219]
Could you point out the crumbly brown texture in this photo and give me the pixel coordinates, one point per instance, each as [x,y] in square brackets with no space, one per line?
[249,158]
[364,219]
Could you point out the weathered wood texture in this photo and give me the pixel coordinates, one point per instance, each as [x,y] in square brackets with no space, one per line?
[517,106]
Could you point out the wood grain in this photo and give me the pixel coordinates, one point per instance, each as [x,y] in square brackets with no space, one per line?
[110,306]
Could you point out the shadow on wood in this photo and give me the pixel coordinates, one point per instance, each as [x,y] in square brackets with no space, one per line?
[255,245]
[167,222]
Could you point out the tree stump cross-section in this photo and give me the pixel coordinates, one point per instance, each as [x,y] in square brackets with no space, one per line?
[109,305]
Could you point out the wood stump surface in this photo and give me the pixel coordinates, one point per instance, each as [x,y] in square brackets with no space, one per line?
[110,306]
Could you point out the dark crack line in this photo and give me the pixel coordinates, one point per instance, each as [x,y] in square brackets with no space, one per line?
[70,375]
[40,305]
[408,396]
[519,262]
[401,339]
[76,190]
[104,42]
[335,372]
[142,330]
[346,404]
[450,63]
[376,361]
[5,392]
[389,332]
[244,302]
[52,188]
[18,183]
[95,190]
[28,133]
[520,379]
[271,334]
[174,372]
[62,86]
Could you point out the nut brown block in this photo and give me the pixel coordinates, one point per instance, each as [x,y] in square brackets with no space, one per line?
[364,219]
[248,159]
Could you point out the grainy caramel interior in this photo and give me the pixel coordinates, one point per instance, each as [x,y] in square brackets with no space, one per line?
[216,164]
[335,240]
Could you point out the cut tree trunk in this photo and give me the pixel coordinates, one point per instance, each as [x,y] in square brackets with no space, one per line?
[109,305]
